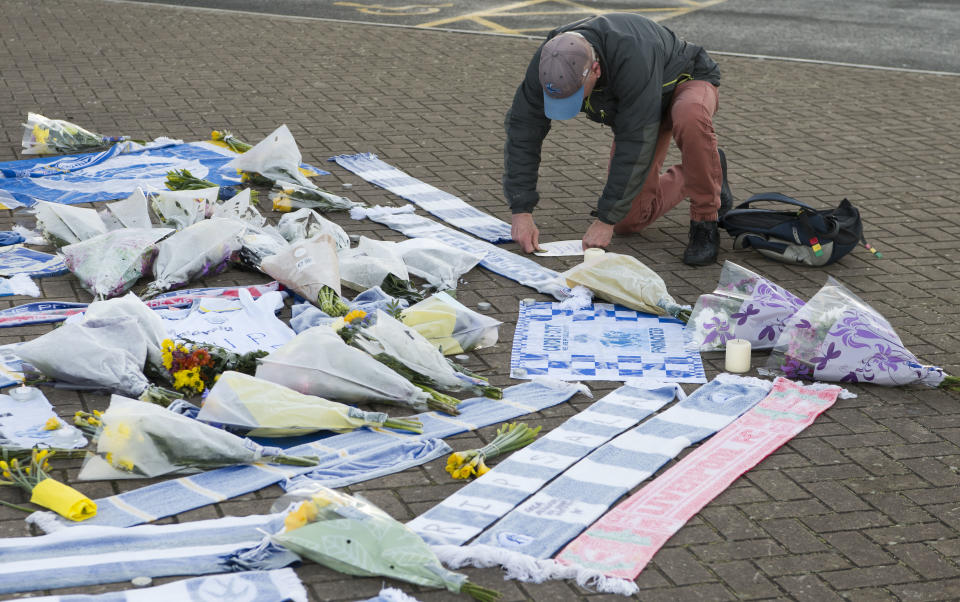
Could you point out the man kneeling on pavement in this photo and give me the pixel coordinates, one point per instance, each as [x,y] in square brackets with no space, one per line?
[635,76]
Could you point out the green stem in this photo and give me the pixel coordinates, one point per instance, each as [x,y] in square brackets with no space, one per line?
[440,402]
[492,392]
[482,594]
[16,507]
[414,426]
[293,460]
[950,383]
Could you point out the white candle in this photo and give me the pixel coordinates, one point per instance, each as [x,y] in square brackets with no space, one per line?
[738,356]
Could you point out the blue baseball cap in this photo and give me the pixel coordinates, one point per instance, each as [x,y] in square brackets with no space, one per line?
[565,61]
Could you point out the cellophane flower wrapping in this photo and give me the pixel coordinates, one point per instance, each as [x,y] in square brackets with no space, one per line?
[306,315]
[451,325]
[625,280]
[307,223]
[352,536]
[440,264]
[407,346]
[240,207]
[258,243]
[276,157]
[199,250]
[366,265]
[150,326]
[140,440]
[272,410]
[288,196]
[837,337]
[65,224]
[108,353]
[109,264]
[318,362]
[306,267]
[131,212]
[45,136]
[744,306]
[182,208]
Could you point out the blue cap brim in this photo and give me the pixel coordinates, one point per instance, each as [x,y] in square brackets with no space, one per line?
[563,108]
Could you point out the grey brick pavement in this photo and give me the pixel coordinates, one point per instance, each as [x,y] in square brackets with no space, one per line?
[861,506]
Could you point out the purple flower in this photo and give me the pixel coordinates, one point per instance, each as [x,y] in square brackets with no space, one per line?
[719,330]
[795,368]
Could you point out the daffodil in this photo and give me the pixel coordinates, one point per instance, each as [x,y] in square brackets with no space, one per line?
[510,437]
[52,424]
[356,314]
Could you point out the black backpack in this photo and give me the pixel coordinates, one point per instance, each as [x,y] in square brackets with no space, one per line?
[799,235]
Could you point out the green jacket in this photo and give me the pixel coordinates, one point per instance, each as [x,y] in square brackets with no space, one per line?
[641,64]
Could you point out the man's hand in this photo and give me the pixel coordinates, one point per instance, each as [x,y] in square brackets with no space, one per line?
[598,235]
[525,232]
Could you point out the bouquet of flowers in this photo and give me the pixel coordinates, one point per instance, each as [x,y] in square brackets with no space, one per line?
[440,264]
[837,337]
[130,212]
[44,136]
[182,179]
[44,491]
[450,325]
[352,536]
[240,207]
[258,243]
[409,353]
[106,353]
[309,267]
[318,362]
[276,157]
[289,197]
[109,264]
[181,208]
[625,280]
[65,224]
[307,223]
[136,439]
[369,263]
[195,367]
[227,140]
[745,306]
[267,409]
[196,251]
[510,437]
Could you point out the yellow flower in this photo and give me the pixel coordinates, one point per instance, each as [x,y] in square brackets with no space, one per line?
[216,135]
[188,379]
[482,469]
[299,517]
[357,314]
[97,413]
[125,465]
[4,466]
[40,455]
[109,458]
[52,424]
[40,134]
[14,464]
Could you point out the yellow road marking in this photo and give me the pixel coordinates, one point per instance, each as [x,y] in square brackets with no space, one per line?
[484,17]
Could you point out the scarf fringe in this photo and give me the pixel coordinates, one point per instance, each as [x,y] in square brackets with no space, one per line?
[522,567]
[45,521]
[392,594]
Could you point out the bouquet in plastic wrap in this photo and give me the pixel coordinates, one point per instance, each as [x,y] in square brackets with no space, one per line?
[350,535]
[150,327]
[106,353]
[196,251]
[65,224]
[409,353]
[241,207]
[318,362]
[258,243]
[310,268]
[744,306]
[181,208]
[440,264]
[268,409]
[369,263]
[226,139]
[307,223]
[276,157]
[109,264]
[289,197]
[130,212]
[837,337]
[44,136]
[136,440]
[450,325]
[626,280]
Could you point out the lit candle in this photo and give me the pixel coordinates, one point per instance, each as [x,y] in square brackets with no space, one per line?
[738,356]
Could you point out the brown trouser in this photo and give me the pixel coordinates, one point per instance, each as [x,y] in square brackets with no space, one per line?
[689,121]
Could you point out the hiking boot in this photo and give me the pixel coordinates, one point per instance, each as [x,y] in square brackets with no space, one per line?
[704,243]
[726,196]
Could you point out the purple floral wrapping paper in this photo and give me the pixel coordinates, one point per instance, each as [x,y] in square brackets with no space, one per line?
[745,306]
[837,337]
[109,264]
